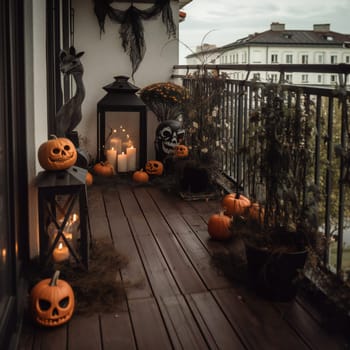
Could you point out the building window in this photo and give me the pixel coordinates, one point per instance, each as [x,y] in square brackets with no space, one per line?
[334,59]
[333,79]
[273,78]
[319,79]
[289,59]
[304,78]
[347,59]
[289,78]
[274,58]
[320,59]
[304,59]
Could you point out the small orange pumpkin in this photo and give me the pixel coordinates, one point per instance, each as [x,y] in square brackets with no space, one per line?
[103,169]
[181,151]
[52,301]
[235,204]
[219,226]
[58,153]
[140,176]
[89,179]
[154,167]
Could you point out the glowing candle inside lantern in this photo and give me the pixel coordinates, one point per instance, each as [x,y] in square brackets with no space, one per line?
[3,256]
[131,156]
[116,143]
[111,155]
[61,253]
[122,163]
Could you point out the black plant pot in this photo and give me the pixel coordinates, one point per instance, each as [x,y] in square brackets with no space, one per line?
[274,274]
[195,179]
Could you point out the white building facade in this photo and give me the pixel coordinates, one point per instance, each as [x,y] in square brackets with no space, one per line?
[281,46]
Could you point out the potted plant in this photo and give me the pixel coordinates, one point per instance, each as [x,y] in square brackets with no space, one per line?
[283,217]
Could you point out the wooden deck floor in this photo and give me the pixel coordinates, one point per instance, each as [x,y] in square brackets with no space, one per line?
[184,301]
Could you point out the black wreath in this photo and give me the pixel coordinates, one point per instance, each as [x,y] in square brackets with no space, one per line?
[131,29]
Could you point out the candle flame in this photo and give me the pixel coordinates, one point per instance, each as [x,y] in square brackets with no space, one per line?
[3,252]
[60,246]
[112,148]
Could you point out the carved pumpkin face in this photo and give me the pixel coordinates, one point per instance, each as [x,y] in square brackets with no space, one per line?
[57,154]
[52,301]
[181,151]
[154,167]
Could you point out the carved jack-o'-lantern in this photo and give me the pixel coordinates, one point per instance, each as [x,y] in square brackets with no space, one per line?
[57,154]
[52,301]
[154,167]
[181,151]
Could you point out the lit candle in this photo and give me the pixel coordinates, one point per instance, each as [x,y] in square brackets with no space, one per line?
[131,155]
[61,253]
[3,256]
[111,155]
[68,235]
[116,143]
[122,163]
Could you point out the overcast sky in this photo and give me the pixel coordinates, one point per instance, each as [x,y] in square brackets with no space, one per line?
[224,21]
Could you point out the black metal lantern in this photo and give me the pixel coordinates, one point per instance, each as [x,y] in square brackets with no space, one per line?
[121,98]
[63,229]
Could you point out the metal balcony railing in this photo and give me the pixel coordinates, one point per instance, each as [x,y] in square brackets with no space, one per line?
[327,108]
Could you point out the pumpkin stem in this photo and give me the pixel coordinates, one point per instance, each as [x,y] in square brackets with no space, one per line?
[54,279]
[52,137]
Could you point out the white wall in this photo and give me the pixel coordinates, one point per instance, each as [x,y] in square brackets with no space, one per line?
[104,58]
[36,107]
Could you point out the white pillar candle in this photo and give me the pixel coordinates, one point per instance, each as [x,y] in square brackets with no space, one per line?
[116,143]
[122,163]
[61,253]
[111,156]
[131,155]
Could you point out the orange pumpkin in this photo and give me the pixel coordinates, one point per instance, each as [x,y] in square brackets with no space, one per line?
[154,167]
[103,169]
[89,179]
[235,204]
[181,151]
[140,176]
[52,301]
[219,226]
[58,153]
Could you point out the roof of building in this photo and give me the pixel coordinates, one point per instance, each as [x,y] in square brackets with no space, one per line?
[278,35]
[321,35]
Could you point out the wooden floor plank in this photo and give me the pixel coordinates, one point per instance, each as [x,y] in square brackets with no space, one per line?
[97,215]
[51,338]
[256,322]
[215,326]
[133,274]
[117,332]
[182,327]
[178,262]
[84,333]
[150,331]
[162,281]
[197,253]
[309,330]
